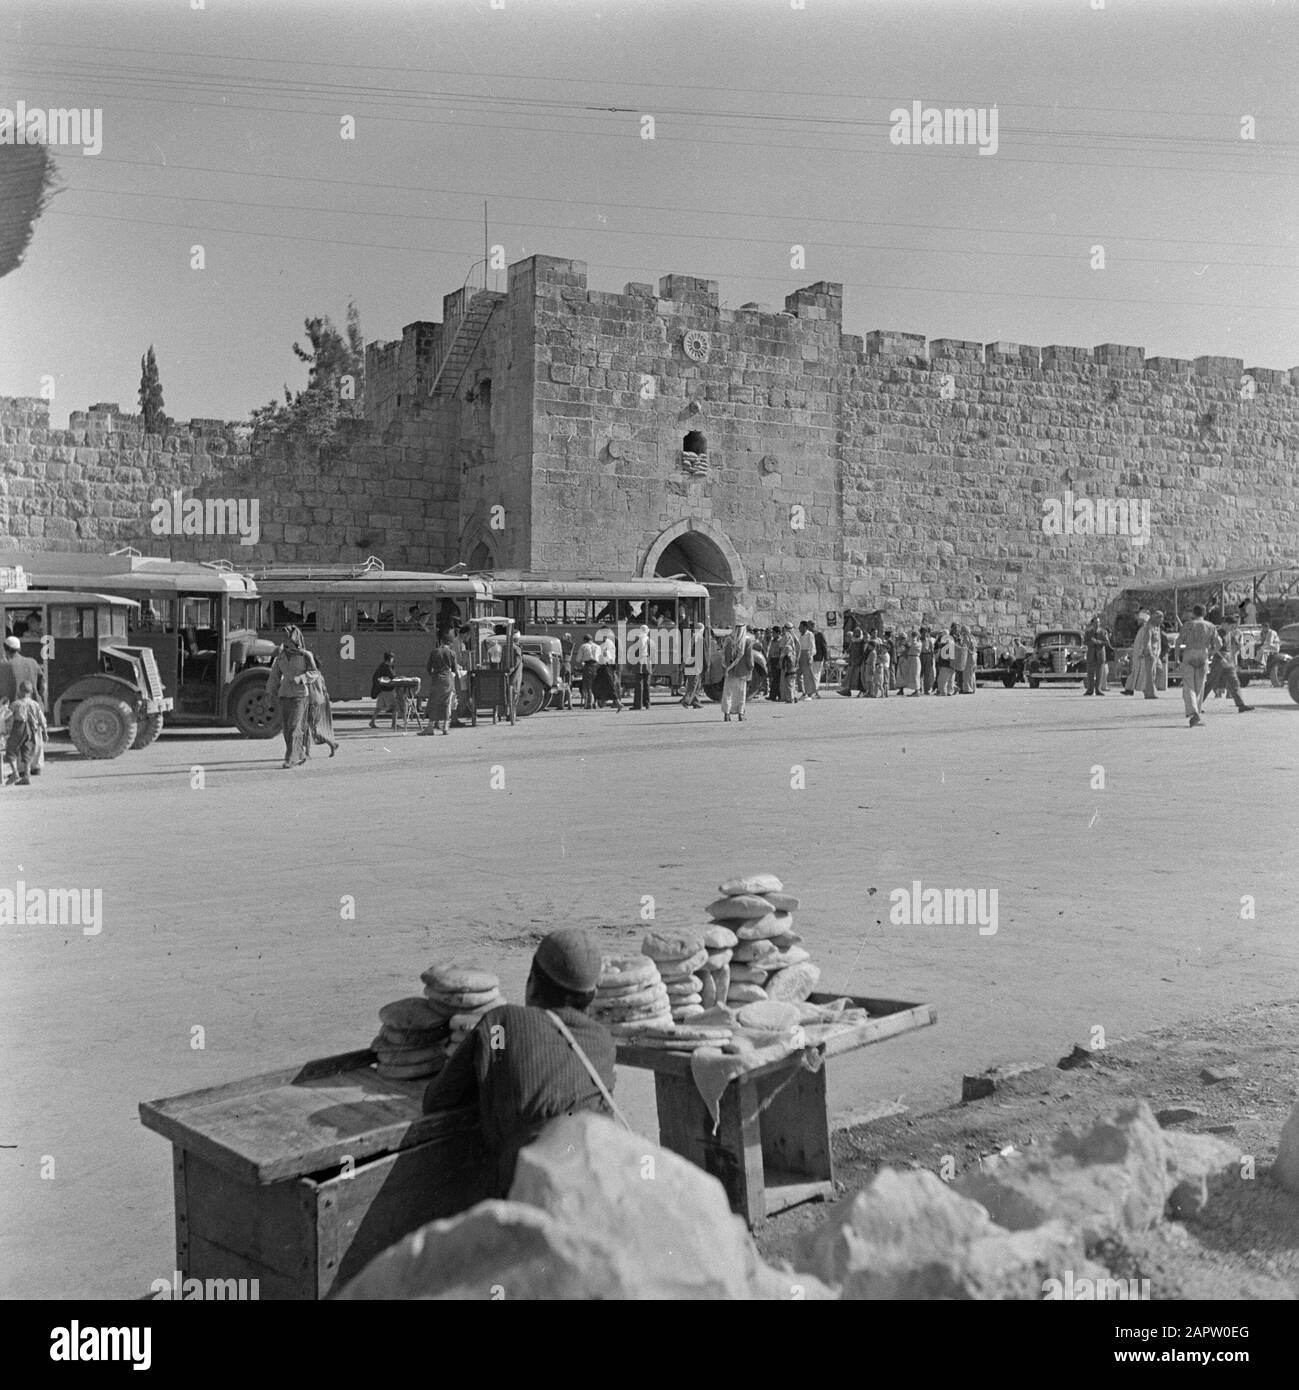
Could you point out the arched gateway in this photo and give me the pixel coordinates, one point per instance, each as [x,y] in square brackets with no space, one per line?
[702,552]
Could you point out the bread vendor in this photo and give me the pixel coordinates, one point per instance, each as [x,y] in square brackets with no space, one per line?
[526,1066]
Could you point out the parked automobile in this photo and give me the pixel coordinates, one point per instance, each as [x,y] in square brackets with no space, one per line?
[1058,655]
[1280,666]
[545,683]
[1004,661]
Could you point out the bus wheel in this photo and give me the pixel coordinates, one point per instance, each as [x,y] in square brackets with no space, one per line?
[532,695]
[255,715]
[149,728]
[102,726]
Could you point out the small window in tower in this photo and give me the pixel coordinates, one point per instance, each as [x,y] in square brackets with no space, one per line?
[694,443]
[485,394]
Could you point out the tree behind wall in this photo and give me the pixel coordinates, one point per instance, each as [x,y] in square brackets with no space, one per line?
[335,381]
[151,402]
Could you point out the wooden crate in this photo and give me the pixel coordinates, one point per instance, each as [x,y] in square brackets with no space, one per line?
[298,1178]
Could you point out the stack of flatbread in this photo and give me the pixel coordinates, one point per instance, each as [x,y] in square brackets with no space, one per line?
[685,1037]
[768,960]
[411,1042]
[461,993]
[678,953]
[631,996]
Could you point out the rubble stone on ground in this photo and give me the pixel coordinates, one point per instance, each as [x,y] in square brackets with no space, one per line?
[1286,1168]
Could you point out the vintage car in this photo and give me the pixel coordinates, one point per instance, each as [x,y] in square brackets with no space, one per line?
[1280,666]
[1004,661]
[1058,655]
[546,682]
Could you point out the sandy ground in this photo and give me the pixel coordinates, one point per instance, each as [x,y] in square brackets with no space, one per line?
[1118,908]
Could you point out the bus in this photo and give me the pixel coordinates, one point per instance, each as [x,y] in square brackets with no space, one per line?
[198,619]
[575,609]
[351,614]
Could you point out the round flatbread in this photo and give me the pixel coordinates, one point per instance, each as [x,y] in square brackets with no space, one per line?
[723,978]
[708,989]
[462,1001]
[720,938]
[770,1014]
[698,1032]
[758,884]
[749,951]
[468,1021]
[680,969]
[744,994]
[412,1037]
[626,972]
[632,1030]
[782,902]
[687,1011]
[630,999]
[689,984]
[460,977]
[783,943]
[717,959]
[794,984]
[749,974]
[652,1008]
[764,928]
[796,955]
[672,944]
[412,1015]
[743,905]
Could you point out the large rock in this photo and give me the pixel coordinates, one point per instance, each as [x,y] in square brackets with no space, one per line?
[1286,1168]
[908,1235]
[594,1213]
[1110,1178]
[670,1218]
[1190,1161]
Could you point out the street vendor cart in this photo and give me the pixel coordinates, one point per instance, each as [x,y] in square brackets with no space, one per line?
[493,687]
[770,1144]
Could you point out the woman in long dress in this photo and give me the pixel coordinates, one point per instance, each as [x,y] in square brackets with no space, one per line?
[320,717]
[442,686]
[909,668]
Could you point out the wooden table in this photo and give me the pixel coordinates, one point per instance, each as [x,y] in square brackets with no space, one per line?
[298,1178]
[772,1148]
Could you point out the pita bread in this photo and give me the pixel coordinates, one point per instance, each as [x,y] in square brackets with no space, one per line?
[689,984]
[412,1014]
[687,1011]
[794,984]
[751,883]
[697,1032]
[750,974]
[796,955]
[764,928]
[667,1044]
[720,938]
[782,902]
[680,969]
[723,978]
[743,905]
[717,959]
[649,1008]
[771,1015]
[454,977]
[631,999]
[708,989]
[631,1030]
[461,1001]
[783,943]
[619,973]
[745,994]
[672,945]
[749,951]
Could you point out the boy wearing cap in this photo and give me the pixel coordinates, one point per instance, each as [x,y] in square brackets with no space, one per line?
[522,1067]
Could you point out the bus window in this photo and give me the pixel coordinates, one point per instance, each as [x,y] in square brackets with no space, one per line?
[330,614]
[112,622]
[632,610]
[294,612]
[245,613]
[545,610]
[576,610]
[154,615]
[603,612]
[382,613]
[67,621]
[196,612]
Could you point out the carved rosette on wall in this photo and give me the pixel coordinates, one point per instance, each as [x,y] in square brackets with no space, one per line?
[694,343]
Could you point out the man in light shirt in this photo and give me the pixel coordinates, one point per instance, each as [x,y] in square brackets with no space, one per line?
[1196,644]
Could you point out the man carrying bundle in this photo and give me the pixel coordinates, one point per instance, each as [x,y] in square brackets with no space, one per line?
[527,1066]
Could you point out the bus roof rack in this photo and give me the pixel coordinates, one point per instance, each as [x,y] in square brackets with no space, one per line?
[292,569]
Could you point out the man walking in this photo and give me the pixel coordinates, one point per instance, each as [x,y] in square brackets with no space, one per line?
[588,662]
[1223,670]
[1197,642]
[1098,658]
[1130,685]
[737,659]
[1147,649]
[807,661]
[638,658]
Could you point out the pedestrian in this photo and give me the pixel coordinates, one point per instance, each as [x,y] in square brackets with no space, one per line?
[737,659]
[1167,637]
[883,664]
[588,662]
[807,661]
[290,667]
[909,667]
[820,656]
[1247,612]
[26,733]
[1147,648]
[696,660]
[1223,669]
[1267,646]
[971,673]
[607,674]
[1196,643]
[928,683]
[1097,641]
[944,651]
[960,655]
[1130,684]
[789,658]
[639,658]
[320,717]
[16,668]
[855,653]
[442,669]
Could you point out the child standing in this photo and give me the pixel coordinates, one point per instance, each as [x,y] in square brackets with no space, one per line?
[27,733]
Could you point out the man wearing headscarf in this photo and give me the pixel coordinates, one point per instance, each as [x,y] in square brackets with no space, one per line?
[1130,685]
[1147,649]
[737,663]
[289,684]
[525,1066]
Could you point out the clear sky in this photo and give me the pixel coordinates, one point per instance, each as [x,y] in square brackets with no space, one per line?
[1118,126]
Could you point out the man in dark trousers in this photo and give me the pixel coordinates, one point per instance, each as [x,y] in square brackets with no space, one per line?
[1098,658]
[520,1067]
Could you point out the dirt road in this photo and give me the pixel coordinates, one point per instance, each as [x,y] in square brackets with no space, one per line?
[226,948]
